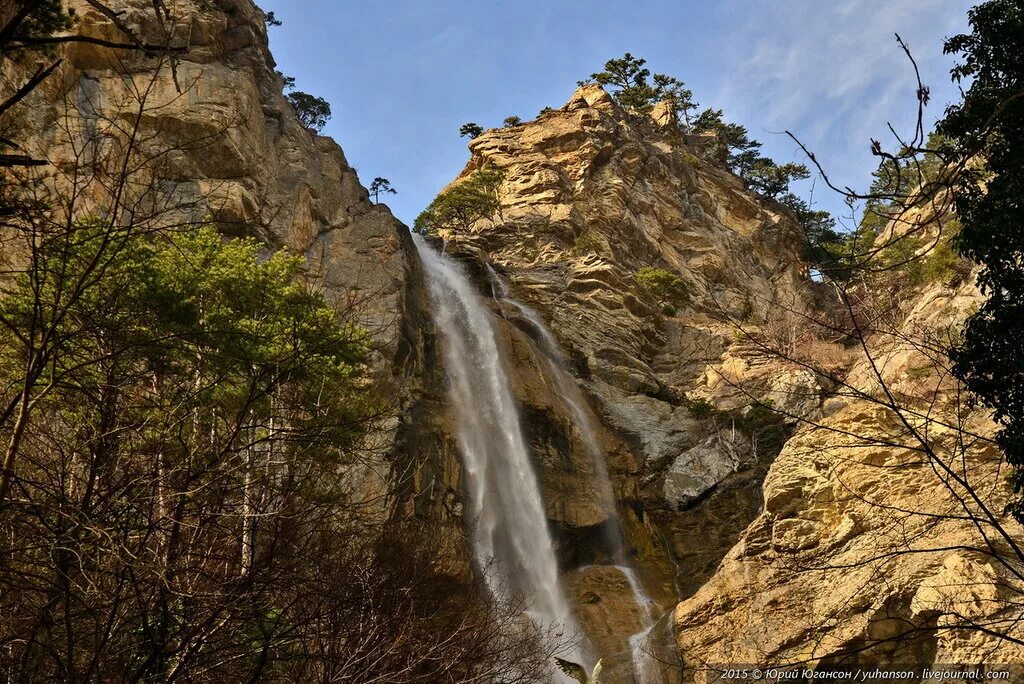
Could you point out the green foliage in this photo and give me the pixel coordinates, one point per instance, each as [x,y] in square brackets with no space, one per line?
[544,110]
[511,121]
[463,204]
[587,243]
[924,260]
[667,288]
[45,18]
[197,305]
[692,159]
[766,426]
[898,180]
[944,262]
[700,408]
[904,256]
[769,179]
[287,82]
[990,121]
[470,130]
[741,154]
[736,145]
[633,87]
[825,248]
[313,112]
[381,186]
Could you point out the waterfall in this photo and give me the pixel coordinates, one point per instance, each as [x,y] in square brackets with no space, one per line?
[645,667]
[510,536]
[569,392]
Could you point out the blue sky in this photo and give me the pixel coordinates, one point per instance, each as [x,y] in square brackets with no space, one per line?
[403,75]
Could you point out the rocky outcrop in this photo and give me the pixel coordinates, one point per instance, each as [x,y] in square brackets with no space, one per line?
[881,540]
[591,195]
[215,138]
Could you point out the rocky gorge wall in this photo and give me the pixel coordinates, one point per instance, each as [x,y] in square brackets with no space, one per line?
[883,539]
[847,543]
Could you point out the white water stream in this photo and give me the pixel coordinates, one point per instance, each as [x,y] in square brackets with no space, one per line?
[509,532]
[645,666]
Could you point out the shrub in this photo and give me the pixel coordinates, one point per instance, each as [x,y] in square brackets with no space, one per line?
[699,407]
[587,243]
[766,426]
[511,121]
[667,288]
[940,263]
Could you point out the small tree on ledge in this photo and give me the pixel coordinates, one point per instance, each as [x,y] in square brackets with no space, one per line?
[463,204]
[666,288]
[379,186]
[313,112]
[470,130]
[628,81]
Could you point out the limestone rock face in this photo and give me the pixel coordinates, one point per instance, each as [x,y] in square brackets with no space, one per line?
[590,196]
[216,138]
[862,547]
[703,466]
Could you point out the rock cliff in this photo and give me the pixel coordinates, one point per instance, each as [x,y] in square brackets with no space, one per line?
[848,547]
[883,538]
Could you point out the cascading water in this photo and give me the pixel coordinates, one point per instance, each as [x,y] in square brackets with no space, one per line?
[569,392]
[510,534]
[645,666]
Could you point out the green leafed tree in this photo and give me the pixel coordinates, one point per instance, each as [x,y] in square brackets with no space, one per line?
[743,156]
[511,121]
[381,186]
[313,112]
[665,287]
[736,147]
[769,179]
[460,206]
[633,86]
